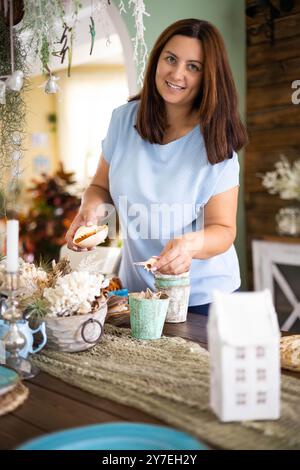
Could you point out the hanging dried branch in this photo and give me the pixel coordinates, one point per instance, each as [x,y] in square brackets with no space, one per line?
[140,46]
[99,12]
[122,8]
[12,119]
[43,21]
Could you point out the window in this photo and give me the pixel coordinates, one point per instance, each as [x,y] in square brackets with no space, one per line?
[261,374]
[261,398]
[240,398]
[240,353]
[240,375]
[260,352]
[84,114]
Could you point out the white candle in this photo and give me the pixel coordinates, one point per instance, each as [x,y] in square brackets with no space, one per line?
[12,246]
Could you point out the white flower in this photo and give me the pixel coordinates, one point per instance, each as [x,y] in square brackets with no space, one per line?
[285,180]
[74,293]
[31,278]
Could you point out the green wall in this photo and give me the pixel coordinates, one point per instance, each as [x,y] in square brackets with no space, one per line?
[228,16]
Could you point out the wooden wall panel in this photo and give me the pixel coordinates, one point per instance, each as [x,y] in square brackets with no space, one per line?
[265,53]
[273,121]
[274,117]
[269,96]
[276,72]
[285,27]
[275,138]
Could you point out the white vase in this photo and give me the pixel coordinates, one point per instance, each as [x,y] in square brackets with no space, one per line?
[288,221]
[76,332]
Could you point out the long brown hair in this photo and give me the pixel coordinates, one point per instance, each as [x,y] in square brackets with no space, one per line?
[216,102]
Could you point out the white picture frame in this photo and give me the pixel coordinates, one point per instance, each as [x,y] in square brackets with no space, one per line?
[266,256]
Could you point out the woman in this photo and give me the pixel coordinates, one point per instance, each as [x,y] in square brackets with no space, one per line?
[169,152]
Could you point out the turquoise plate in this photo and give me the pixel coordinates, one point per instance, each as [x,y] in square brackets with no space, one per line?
[116,436]
[8,379]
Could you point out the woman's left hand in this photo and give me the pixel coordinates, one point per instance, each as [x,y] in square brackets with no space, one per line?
[176,257]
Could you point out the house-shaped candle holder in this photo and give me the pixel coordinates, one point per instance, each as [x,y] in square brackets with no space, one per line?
[243,340]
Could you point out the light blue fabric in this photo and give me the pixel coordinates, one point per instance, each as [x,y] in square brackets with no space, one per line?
[175,173]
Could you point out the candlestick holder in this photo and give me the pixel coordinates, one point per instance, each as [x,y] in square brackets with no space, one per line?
[14,340]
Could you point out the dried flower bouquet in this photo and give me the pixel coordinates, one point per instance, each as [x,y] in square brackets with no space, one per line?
[57,291]
[284,180]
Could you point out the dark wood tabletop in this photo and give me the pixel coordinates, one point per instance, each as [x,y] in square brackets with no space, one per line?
[54,405]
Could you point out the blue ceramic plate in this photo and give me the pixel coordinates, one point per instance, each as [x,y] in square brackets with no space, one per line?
[8,379]
[116,436]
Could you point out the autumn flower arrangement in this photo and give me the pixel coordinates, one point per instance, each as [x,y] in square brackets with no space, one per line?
[53,205]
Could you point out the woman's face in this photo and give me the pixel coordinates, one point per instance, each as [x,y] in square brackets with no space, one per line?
[179,71]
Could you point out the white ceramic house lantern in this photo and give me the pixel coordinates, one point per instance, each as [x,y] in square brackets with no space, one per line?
[243,340]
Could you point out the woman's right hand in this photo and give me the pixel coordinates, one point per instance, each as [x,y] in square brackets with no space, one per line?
[84,217]
[96,195]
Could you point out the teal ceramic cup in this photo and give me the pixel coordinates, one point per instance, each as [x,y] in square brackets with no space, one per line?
[147,316]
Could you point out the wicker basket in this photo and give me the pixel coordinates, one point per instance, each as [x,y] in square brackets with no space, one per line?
[77,332]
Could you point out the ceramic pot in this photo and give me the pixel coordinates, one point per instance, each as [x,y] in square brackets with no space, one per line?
[177,288]
[76,332]
[147,316]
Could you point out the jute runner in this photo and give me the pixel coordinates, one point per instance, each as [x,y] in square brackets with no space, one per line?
[169,379]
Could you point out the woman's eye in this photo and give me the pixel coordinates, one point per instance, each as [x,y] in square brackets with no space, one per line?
[194,68]
[170,59]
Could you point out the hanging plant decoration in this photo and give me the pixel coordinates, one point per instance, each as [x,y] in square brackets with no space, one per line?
[49,27]
[50,24]
[139,44]
[92,33]
[12,105]
[68,36]
[66,42]
[43,21]
[99,12]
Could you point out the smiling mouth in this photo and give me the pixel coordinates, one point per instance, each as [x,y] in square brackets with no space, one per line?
[174,87]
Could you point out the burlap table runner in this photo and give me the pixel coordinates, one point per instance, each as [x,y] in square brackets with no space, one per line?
[169,379]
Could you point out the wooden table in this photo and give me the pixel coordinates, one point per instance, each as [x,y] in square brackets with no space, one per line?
[54,405]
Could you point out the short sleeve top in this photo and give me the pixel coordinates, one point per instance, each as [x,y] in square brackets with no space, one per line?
[159,192]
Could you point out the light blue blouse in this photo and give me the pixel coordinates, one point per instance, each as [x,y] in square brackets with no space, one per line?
[158,191]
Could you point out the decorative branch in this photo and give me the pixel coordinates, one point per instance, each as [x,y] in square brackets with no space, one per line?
[43,21]
[99,12]
[140,46]
[92,33]
[122,8]
[12,119]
